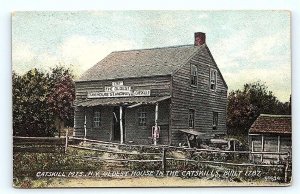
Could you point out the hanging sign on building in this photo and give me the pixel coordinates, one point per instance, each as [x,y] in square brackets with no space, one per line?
[117,90]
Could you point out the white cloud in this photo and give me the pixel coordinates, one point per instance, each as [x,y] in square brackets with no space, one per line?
[83,52]
[22,52]
[263,48]
[80,52]
[46,61]
[22,55]
[277,79]
[228,50]
[244,59]
[24,58]
[203,16]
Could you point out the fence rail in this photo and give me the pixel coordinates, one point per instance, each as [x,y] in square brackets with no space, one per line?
[164,150]
[39,144]
[192,150]
[110,151]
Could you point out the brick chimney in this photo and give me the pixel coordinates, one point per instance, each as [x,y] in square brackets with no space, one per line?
[199,38]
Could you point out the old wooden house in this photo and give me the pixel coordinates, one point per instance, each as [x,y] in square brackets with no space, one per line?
[271,135]
[153,96]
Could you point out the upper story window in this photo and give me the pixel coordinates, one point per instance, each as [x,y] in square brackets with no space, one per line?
[191,118]
[194,75]
[97,119]
[215,120]
[213,79]
[142,117]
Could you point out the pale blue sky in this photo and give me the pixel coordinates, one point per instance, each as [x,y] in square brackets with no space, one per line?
[247,45]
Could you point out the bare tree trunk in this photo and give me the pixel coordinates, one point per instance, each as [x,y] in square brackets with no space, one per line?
[59,125]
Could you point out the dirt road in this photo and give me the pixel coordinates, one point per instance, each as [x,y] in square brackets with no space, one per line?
[153,182]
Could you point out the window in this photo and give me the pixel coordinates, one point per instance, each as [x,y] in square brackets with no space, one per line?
[191,118]
[142,117]
[97,119]
[213,79]
[256,143]
[270,143]
[194,75]
[215,120]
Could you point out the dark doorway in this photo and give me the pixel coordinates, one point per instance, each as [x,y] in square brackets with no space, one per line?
[116,123]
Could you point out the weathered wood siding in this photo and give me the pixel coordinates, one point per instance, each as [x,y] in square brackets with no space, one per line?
[78,121]
[270,144]
[159,86]
[103,132]
[200,98]
[255,143]
[142,134]
[286,143]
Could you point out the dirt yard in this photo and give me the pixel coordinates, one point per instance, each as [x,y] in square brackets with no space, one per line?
[153,182]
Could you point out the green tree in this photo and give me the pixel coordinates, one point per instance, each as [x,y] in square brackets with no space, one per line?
[42,102]
[30,109]
[245,105]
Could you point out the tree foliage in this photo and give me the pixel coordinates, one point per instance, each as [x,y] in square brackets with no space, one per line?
[62,95]
[33,111]
[245,105]
[30,115]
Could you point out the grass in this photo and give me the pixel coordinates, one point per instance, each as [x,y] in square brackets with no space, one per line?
[27,165]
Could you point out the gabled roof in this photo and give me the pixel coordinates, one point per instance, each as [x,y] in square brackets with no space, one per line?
[277,124]
[141,63]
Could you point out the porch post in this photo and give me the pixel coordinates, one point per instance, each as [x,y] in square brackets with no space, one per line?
[278,143]
[85,123]
[233,145]
[252,144]
[156,125]
[121,125]
[252,156]
[262,147]
[278,147]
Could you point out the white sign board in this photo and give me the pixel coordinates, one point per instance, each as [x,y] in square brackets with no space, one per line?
[118,83]
[117,90]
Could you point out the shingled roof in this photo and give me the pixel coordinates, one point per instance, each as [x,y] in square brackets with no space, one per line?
[141,63]
[265,123]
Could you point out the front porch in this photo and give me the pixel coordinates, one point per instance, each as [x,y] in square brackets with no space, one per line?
[130,120]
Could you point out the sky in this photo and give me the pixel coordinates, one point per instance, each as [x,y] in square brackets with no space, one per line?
[247,46]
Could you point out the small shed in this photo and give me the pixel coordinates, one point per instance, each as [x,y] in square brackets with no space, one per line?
[270,138]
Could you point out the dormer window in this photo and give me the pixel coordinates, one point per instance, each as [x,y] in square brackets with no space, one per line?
[213,79]
[194,75]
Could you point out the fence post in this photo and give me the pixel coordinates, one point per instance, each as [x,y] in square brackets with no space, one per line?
[163,161]
[66,143]
[286,168]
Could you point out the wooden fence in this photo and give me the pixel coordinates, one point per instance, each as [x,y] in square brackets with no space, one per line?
[194,151]
[160,153]
[39,144]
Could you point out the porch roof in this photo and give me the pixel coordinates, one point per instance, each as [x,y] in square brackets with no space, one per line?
[123,101]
